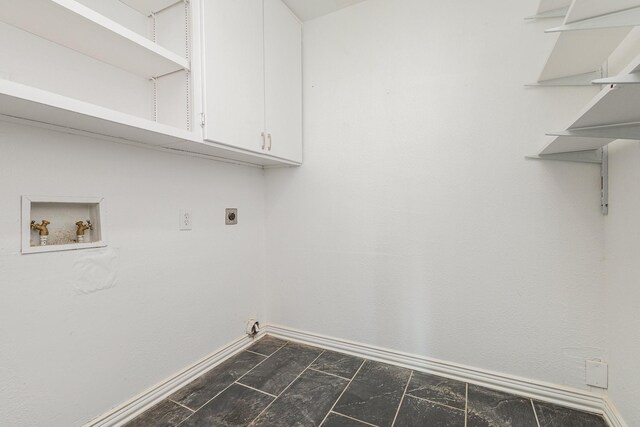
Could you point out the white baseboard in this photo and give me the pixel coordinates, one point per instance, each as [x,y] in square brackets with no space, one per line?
[546,392]
[154,395]
[612,415]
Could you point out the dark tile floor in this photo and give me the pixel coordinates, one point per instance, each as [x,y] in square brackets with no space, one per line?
[279,383]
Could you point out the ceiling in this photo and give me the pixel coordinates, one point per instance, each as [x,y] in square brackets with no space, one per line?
[310,9]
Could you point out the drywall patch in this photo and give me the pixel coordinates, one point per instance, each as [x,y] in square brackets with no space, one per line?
[96,272]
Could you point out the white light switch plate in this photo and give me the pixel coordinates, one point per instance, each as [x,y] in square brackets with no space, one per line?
[597,374]
[186,220]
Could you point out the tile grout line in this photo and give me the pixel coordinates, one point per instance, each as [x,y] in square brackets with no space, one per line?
[435,403]
[351,418]
[535,414]
[227,387]
[345,389]
[260,363]
[180,404]
[402,399]
[255,389]
[287,387]
[466,404]
[328,373]
[260,354]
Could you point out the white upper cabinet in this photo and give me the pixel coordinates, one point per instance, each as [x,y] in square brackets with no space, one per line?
[234,72]
[253,77]
[283,81]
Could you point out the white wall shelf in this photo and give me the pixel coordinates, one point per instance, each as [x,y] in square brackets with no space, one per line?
[614,105]
[613,114]
[630,131]
[228,153]
[50,110]
[576,80]
[586,9]
[62,213]
[624,18]
[26,102]
[591,31]
[590,156]
[581,52]
[572,144]
[633,78]
[73,25]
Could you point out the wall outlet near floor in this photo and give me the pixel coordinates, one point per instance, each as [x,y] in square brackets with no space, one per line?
[231,216]
[597,373]
[186,219]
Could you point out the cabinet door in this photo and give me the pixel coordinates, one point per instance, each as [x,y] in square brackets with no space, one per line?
[234,72]
[283,80]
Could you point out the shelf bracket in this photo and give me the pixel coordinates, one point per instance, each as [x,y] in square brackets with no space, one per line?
[589,156]
[599,156]
[604,181]
[577,80]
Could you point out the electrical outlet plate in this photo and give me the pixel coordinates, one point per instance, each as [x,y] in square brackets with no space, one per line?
[186,219]
[231,216]
[597,373]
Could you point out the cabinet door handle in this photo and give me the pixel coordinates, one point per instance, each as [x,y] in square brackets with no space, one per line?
[270,141]
[264,141]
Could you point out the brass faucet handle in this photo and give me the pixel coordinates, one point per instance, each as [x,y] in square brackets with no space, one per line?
[82,227]
[42,228]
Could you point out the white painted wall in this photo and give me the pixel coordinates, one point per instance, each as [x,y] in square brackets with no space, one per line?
[83,331]
[623,270]
[416,223]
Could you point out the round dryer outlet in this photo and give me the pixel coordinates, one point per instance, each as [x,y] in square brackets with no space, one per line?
[253,327]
